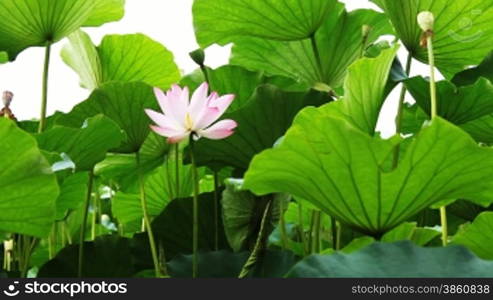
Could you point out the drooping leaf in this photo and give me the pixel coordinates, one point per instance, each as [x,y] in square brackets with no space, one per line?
[218,21]
[477,236]
[106,257]
[463,31]
[458,105]
[339,43]
[27,23]
[261,123]
[401,259]
[28,187]
[344,172]
[243,212]
[122,58]
[124,103]
[85,146]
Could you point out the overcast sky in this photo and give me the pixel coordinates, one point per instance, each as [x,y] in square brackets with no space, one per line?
[167,21]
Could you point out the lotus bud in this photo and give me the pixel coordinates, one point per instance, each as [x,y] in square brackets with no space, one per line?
[198,56]
[426,21]
[8,245]
[105,219]
[7,98]
[365,31]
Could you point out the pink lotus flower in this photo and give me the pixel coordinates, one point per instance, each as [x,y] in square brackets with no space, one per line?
[183,116]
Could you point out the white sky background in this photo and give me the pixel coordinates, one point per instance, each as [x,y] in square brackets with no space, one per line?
[167,21]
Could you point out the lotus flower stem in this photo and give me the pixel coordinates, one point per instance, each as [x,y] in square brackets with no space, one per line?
[398,119]
[426,21]
[44,98]
[203,68]
[84,223]
[196,191]
[147,221]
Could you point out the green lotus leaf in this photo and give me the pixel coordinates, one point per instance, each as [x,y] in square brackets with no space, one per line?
[345,172]
[458,105]
[107,256]
[243,212]
[261,123]
[471,75]
[85,146]
[28,187]
[218,21]
[173,227]
[73,192]
[27,23]
[463,31]
[160,187]
[124,103]
[122,58]
[339,43]
[401,259]
[477,236]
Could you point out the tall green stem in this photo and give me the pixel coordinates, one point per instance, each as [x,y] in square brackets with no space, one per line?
[44,98]
[147,221]
[398,119]
[196,191]
[433,94]
[84,223]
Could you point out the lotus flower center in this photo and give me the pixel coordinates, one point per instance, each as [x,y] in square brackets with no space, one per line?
[188,122]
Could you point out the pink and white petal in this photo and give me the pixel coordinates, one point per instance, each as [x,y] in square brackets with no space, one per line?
[199,101]
[175,103]
[220,130]
[165,131]
[222,103]
[206,118]
[161,99]
[164,120]
[178,138]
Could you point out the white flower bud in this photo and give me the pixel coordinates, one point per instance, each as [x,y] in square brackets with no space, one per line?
[105,219]
[7,98]
[426,20]
[8,245]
